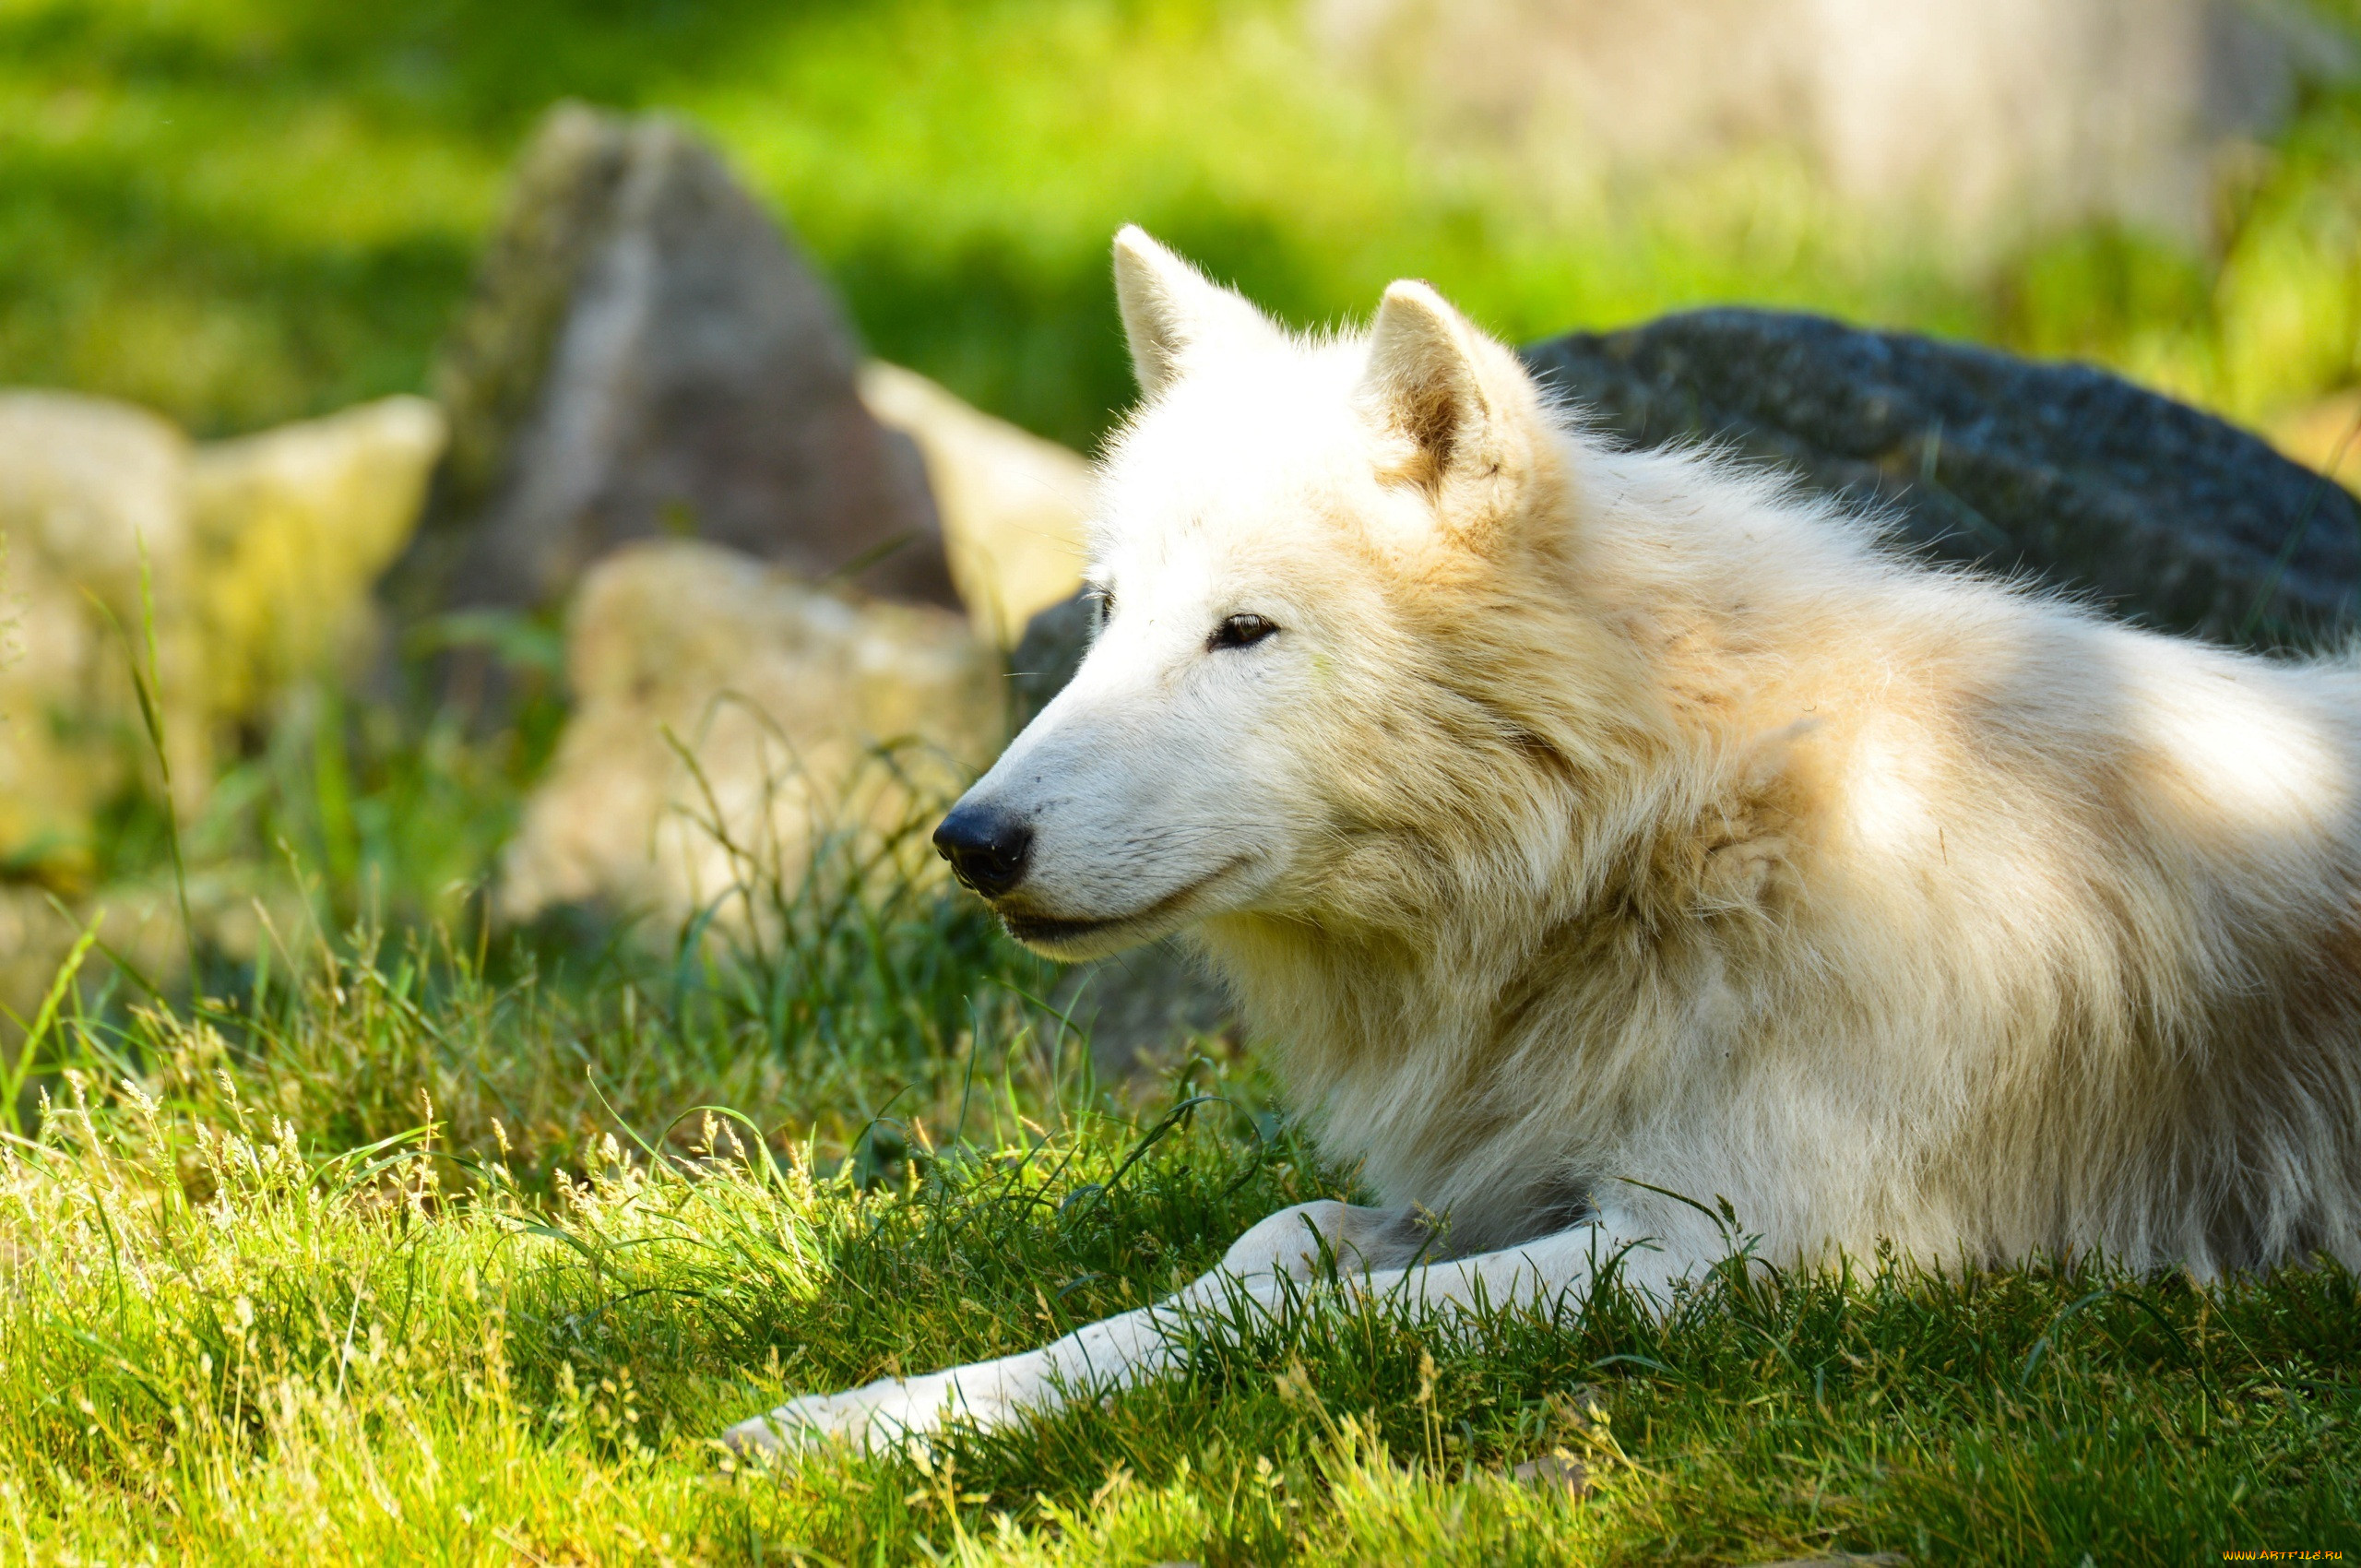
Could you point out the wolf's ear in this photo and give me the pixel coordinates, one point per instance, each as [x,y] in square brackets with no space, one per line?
[1170,310]
[1465,419]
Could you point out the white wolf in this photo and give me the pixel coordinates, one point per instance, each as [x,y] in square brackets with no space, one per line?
[1576,823]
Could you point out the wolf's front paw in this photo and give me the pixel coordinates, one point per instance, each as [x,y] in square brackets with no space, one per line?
[891,1411]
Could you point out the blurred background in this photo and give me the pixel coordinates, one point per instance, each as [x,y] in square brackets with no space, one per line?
[238,212]
[312,272]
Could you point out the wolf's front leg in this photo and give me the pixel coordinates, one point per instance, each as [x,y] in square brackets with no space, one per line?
[1116,1352]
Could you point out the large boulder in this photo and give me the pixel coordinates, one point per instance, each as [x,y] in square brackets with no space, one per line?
[648,355]
[725,712]
[1980,115]
[248,562]
[1014,507]
[292,529]
[2166,515]
[95,521]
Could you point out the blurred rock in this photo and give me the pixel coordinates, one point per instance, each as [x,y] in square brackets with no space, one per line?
[2170,517]
[1981,113]
[251,560]
[1554,1473]
[292,529]
[1048,654]
[781,693]
[34,940]
[93,497]
[648,355]
[1014,507]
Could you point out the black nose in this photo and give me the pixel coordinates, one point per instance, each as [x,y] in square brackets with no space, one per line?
[987,849]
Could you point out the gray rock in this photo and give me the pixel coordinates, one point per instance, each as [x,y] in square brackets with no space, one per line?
[646,354]
[2164,515]
[1048,655]
[783,694]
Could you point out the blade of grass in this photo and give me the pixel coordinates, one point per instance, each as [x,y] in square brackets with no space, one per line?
[21,1069]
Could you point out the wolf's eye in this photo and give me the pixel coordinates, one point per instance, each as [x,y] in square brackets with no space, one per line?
[1240,631]
[1102,603]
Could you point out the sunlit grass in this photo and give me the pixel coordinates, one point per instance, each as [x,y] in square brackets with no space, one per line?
[242,211]
[424,1244]
[224,1341]
[427,1244]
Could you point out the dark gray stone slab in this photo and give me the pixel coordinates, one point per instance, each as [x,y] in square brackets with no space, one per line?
[2164,515]
[1047,656]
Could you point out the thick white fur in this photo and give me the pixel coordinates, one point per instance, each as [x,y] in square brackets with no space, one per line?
[1598,818]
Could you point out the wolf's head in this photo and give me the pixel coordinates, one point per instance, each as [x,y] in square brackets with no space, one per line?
[1297,703]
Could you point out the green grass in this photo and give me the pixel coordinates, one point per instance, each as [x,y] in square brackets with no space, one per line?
[418,1244]
[245,210]
[415,1244]
[328,1277]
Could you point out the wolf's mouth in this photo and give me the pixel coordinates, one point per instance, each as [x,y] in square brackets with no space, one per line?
[1040,931]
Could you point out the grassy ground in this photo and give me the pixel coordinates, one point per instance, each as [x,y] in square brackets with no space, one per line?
[423,1258]
[419,1244]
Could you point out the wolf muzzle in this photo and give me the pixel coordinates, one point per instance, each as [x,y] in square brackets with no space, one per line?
[988,849]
